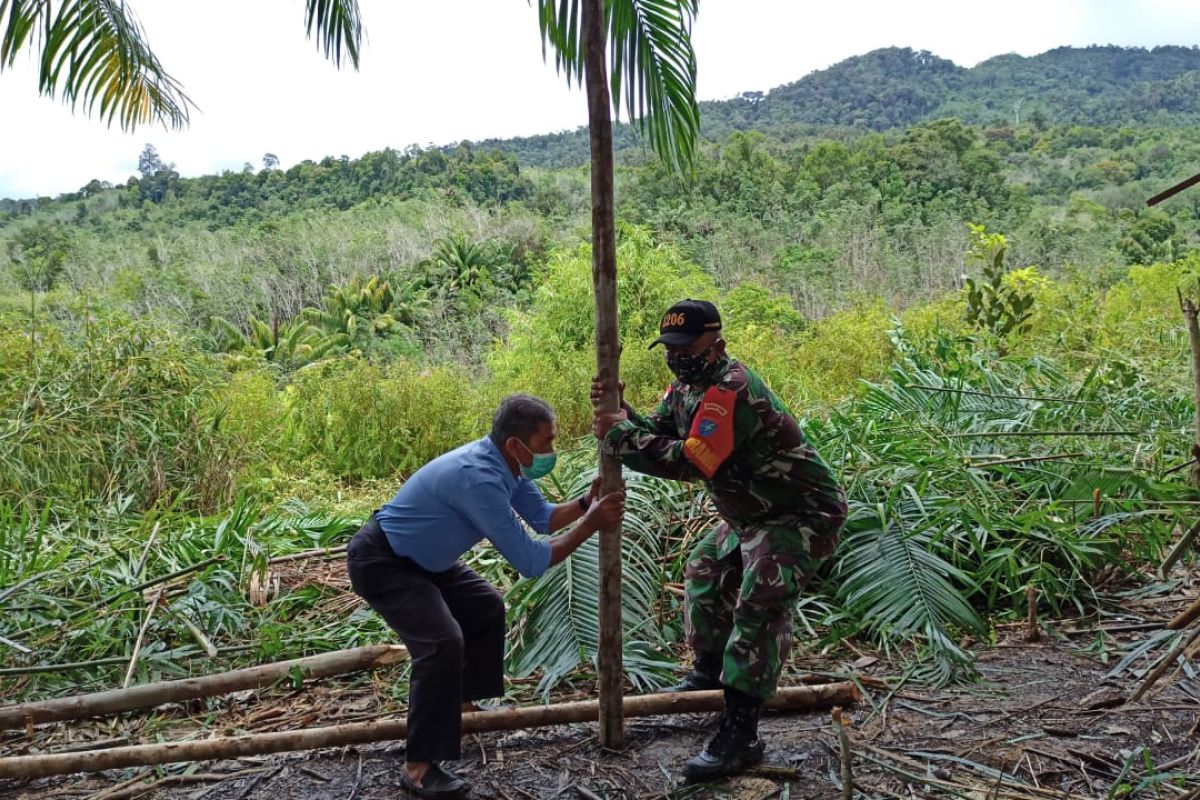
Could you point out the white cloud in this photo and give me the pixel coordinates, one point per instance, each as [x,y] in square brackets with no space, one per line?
[471,69]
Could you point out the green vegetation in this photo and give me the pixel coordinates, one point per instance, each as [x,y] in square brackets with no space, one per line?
[242,366]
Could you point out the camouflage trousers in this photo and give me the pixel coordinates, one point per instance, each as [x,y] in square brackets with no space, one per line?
[742,587]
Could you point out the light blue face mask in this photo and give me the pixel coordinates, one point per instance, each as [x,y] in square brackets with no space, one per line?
[543,463]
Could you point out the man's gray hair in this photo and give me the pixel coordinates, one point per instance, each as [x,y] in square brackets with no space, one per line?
[519,415]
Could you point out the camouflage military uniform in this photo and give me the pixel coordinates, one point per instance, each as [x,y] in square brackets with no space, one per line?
[782,510]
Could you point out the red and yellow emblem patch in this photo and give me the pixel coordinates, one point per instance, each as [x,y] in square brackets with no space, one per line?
[710,440]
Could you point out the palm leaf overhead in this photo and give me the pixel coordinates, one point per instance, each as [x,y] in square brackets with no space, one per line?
[652,64]
[93,51]
[94,54]
[337,26]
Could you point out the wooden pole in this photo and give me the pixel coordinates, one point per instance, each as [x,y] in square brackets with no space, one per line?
[799,698]
[608,356]
[149,695]
[1190,312]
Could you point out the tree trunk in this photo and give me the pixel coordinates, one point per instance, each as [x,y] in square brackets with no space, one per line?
[799,698]
[149,695]
[1190,312]
[608,356]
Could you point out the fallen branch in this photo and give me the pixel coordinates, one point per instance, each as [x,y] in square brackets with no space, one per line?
[799,698]
[20,648]
[989,434]
[141,637]
[1186,617]
[1167,662]
[146,550]
[141,587]
[320,552]
[153,694]
[1002,396]
[1026,460]
[1180,548]
[11,590]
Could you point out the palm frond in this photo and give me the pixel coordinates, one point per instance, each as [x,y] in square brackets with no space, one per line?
[652,63]
[337,25]
[556,616]
[94,51]
[892,580]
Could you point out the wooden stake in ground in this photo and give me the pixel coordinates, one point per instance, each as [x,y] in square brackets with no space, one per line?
[154,694]
[1032,632]
[608,356]
[843,737]
[799,698]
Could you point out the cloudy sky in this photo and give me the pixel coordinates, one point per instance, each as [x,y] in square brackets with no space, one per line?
[471,69]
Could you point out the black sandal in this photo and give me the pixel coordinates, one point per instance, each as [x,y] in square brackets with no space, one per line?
[436,783]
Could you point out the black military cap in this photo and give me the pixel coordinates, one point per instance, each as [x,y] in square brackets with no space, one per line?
[687,321]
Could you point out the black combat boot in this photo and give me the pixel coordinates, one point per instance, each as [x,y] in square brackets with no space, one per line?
[705,674]
[736,745]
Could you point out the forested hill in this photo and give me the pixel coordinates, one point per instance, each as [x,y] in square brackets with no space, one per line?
[897,87]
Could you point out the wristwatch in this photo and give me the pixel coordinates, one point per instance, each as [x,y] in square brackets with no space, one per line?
[583,503]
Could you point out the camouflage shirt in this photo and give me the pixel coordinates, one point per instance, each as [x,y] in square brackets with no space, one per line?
[773,476]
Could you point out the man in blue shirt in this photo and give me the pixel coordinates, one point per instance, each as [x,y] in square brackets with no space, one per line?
[405,563]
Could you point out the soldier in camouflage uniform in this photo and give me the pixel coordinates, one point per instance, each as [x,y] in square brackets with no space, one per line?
[781,508]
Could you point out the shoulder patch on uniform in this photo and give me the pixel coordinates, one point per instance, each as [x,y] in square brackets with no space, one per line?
[710,441]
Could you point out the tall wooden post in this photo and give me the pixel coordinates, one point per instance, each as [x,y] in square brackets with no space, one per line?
[608,356]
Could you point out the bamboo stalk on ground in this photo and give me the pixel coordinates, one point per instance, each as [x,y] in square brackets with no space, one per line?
[798,698]
[1186,617]
[1181,547]
[149,695]
[141,637]
[1167,662]
[320,552]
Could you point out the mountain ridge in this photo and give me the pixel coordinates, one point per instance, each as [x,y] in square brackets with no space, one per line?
[895,87]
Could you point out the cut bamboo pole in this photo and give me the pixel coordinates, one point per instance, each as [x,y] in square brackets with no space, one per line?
[1186,617]
[146,550]
[320,552]
[141,637]
[149,695]
[1167,662]
[799,698]
[1181,547]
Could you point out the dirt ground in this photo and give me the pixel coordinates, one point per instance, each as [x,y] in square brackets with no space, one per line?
[1043,721]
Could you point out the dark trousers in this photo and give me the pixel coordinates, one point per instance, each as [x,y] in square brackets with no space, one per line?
[453,625]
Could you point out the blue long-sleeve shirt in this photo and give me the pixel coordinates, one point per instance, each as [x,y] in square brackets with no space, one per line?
[460,498]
